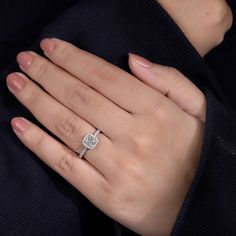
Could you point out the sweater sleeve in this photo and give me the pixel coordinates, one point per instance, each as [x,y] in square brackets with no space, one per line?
[210,205]
[111,29]
[144,28]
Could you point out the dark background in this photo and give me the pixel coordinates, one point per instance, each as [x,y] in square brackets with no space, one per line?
[222,60]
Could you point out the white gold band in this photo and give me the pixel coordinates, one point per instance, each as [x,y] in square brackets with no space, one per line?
[90,141]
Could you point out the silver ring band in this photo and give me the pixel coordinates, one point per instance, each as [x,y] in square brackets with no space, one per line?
[90,141]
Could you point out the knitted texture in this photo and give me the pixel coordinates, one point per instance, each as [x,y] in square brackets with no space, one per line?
[34,200]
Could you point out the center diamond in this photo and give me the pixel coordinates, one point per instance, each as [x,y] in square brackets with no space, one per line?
[90,141]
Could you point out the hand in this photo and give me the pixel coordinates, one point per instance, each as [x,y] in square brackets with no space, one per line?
[204,22]
[149,147]
[171,83]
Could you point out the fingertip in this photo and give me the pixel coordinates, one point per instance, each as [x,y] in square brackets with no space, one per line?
[140,61]
[47,45]
[19,125]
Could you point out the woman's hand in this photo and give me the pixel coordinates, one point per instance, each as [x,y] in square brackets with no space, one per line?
[204,22]
[171,83]
[148,149]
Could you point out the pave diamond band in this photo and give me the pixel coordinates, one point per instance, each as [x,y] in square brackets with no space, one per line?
[89,142]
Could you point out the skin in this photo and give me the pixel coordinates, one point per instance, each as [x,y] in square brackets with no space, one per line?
[138,175]
[204,22]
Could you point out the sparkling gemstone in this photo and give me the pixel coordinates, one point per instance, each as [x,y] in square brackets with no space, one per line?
[90,141]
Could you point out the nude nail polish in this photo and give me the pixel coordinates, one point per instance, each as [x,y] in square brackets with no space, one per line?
[140,61]
[19,125]
[47,45]
[25,60]
[15,82]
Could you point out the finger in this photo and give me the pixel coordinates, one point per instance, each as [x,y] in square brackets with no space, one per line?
[65,162]
[74,94]
[117,85]
[61,121]
[172,83]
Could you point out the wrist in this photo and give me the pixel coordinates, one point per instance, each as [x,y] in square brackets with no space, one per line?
[203,22]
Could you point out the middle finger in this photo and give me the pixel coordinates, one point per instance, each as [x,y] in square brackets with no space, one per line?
[74,94]
[61,121]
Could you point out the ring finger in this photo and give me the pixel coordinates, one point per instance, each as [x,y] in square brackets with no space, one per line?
[61,121]
[74,94]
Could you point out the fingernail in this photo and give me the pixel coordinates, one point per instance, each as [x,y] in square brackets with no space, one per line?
[140,60]
[15,82]
[19,125]
[25,59]
[47,45]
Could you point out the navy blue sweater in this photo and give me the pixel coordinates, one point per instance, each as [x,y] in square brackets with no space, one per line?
[34,200]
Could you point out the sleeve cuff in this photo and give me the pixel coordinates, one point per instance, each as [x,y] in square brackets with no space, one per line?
[209,207]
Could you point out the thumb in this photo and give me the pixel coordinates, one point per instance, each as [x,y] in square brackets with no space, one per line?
[171,83]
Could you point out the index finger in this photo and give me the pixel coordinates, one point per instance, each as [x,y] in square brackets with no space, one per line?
[80,173]
[117,85]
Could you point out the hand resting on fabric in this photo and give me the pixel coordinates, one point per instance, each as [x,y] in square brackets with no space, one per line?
[152,124]
[149,146]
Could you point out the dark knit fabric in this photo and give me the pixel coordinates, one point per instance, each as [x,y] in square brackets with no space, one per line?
[34,200]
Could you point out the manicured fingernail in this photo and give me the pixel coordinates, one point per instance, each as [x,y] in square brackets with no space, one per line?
[47,45]
[15,82]
[25,59]
[19,125]
[140,60]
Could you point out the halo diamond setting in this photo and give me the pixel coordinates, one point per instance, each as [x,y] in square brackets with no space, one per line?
[90,141]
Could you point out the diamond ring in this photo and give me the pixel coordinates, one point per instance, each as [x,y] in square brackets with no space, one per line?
[90,141]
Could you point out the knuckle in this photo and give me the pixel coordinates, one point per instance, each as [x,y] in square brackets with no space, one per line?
[38,142]
[221,16]
[78,95]
[116,198]
[135,172]
[175,77]
[106,188]
[141,142]
[103,71]
[162,118]
[33,98]
[41,71]
[173,72]
[65,126]
[66,52]
[65,162]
